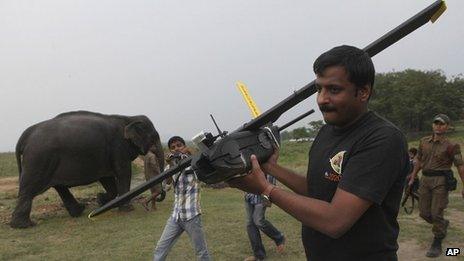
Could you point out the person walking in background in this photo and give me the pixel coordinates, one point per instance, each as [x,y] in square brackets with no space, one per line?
[151,170]
[412,152]
[256,206]
[435,155]
[414,186]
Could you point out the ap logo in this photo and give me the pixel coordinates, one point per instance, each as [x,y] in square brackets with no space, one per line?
[452,251]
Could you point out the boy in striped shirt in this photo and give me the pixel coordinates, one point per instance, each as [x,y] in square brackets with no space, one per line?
[186,211]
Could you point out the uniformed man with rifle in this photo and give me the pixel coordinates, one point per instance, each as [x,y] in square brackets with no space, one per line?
[435,156]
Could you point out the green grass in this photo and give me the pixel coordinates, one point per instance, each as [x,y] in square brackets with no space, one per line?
[8,165]
[132,236]
[294,155]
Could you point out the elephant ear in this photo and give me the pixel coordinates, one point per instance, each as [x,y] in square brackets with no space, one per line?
[134,132]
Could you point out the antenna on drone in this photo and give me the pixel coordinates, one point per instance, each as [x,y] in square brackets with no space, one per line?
[220,133]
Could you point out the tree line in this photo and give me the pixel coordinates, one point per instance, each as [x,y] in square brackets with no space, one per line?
[409,99]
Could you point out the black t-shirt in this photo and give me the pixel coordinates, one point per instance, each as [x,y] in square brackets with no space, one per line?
[368,159]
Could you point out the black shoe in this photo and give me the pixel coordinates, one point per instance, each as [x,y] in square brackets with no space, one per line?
[435,248]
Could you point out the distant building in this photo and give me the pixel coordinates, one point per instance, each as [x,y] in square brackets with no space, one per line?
[302,139]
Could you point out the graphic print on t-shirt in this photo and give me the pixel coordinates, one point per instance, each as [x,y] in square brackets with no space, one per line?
[336,163]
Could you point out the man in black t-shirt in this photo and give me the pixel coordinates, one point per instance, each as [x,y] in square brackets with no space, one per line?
[349,201]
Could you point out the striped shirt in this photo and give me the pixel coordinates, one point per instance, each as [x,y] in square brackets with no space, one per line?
[258,199]
[186,195]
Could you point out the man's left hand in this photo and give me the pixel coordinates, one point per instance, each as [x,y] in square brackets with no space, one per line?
[254,182]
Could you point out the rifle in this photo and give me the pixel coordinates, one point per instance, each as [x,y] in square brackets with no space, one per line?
[225,156]
[409,193]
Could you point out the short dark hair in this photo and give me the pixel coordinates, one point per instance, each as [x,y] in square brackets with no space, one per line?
[175,138]
[413,151]
[357,63]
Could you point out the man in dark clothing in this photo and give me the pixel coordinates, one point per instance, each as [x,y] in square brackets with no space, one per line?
[435,156]
[255,206]
[349,201]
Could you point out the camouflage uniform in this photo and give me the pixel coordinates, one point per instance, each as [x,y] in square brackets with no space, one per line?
[436,157]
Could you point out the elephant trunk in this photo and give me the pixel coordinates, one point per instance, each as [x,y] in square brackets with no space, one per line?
[159,153]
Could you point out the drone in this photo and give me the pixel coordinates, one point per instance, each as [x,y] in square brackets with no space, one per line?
[227,155]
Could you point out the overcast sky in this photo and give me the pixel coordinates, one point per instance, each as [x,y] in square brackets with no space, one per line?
[178,61]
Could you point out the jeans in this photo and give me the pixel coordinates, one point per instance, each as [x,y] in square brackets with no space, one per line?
[174,229]
[256,222]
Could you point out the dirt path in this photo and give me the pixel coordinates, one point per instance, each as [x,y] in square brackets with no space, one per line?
[49,200]
[9,184]
[410,250]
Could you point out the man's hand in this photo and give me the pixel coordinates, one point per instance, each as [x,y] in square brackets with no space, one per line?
[272,161]
[411,180]
[255,182]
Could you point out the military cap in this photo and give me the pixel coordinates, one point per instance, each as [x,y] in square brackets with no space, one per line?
[442,118]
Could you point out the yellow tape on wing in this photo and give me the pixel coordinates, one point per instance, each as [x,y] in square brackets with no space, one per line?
[255,112]
[439,12]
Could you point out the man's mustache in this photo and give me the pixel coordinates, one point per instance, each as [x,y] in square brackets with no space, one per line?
[326,108]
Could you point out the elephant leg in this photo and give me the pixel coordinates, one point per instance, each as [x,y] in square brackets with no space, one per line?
[73,207]
[28,189]
[109,184]
[21,215]
[123,181]
[33,180]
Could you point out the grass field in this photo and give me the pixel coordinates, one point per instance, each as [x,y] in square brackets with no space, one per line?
[131,236]
[8,165]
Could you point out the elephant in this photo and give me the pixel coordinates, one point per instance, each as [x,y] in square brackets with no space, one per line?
[78,148]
